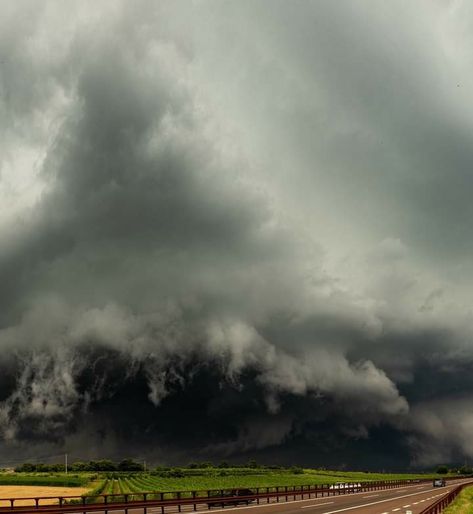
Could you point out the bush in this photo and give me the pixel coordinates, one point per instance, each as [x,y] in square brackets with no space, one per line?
[442,470]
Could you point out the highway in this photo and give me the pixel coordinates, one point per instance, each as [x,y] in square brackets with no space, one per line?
[414,498]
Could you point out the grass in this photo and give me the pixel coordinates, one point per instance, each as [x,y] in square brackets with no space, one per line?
[463,504]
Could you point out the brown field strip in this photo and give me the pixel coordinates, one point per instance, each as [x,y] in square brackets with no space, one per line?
[33,491]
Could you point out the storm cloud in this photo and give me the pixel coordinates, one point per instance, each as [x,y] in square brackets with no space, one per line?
[233,229]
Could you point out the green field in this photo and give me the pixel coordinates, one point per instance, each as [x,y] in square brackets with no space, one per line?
[217,479]
[463,503]
[171,480]
[48,479]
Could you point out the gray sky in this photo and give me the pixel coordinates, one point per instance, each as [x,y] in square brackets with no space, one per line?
[275,192]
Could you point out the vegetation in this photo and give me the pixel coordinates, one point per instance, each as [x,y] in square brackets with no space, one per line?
[46,479]
[169,481]
[463,504]
[79,466]
[462,470]
[128,477]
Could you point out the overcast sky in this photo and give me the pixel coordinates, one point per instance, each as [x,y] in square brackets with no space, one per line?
[253,214]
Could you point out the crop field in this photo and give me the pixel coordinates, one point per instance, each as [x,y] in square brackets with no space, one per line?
[47,479]
[171,480]
[26,491]
[215,480]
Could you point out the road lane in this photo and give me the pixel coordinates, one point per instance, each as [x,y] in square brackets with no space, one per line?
[413,501]
[389,501]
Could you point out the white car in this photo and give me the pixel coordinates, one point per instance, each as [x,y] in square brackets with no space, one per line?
[339,486]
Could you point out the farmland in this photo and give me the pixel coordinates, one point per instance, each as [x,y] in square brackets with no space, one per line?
[116,483]
[25,491]
[47,479]
[171,480]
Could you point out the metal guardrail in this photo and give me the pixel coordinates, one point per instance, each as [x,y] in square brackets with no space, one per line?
[445,501]
[194,499]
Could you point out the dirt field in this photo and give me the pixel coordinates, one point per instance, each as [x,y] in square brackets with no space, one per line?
[29,491]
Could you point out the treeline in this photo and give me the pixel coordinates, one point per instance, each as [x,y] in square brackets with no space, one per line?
[462,470]
[129,465]
[78,466]
[252,464]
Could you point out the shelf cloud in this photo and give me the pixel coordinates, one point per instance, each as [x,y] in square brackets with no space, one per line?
[236,229]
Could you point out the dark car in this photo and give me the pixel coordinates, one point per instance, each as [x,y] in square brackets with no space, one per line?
[439,482]
[230,497]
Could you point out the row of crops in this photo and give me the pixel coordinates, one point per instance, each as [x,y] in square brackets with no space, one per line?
[134,484]
[134,487]
[127,486]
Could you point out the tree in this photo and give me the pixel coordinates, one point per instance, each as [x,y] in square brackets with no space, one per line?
[105,465]
[130,465]
[27,467]
[442,470]
[80,466]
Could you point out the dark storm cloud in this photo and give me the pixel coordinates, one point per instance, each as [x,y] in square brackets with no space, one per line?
[220,226]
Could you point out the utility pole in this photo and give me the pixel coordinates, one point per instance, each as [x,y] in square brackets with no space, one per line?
[65,462]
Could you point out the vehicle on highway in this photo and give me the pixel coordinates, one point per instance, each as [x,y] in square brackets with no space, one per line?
[439,482]
[339,486]
[230,497]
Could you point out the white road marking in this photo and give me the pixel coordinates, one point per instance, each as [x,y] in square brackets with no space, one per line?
[394,510]
[153,510]
[371,496]
[366,504]
[275,504]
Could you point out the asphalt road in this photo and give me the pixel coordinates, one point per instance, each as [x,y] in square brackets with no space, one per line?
[412,498]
